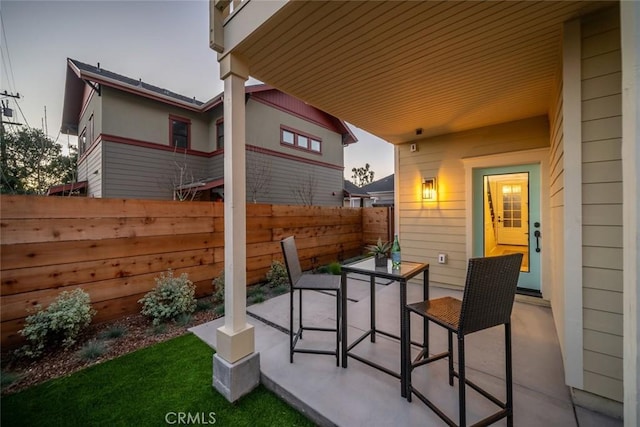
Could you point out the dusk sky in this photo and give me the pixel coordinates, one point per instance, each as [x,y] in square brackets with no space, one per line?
[163,42]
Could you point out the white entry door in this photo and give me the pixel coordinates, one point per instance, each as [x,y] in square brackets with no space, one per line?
[512,207]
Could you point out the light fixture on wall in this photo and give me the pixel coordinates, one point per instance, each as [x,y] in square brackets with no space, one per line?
[429,189]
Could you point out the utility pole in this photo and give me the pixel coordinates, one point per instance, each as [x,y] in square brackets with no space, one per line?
[6,111]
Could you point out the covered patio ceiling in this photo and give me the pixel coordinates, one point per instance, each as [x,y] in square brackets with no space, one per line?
[393,67]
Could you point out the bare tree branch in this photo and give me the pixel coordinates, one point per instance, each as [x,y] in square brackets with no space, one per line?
[259,170]
[305,189]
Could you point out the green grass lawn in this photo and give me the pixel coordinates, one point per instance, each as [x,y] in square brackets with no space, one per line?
[149,387]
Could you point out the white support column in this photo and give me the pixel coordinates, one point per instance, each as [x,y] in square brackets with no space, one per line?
[630,34]
[236,366]
[235,338]
[572,131]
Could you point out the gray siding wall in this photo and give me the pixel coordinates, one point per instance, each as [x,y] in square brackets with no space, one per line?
[263,130]
[282,175]
[91,169]
[290,182]
[93,108]
[602,204]
[145,173]
[131,116]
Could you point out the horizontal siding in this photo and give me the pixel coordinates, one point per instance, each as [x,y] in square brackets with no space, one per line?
[598,320]
[287,177]
[605,386]
[601,86]
[145,173]
[602,204]
[602,150]
[90,169]
[143,119]
[263,130]
[601,236]
[604,343]
[598,278]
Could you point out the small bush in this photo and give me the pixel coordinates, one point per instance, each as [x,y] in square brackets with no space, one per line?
[60,323]
[183,319]
[115,331]
[7,378]
[218,287]
[219,310]
[92,350]
[256,296]
[171,297]
[279,290]
[158,329]
[335,268]
[277,275]
[203,305]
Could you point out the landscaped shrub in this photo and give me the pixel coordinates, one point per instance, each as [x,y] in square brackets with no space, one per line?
[171,297]
[255,295]
[277,275]
[7,378]
[218,287]
[115,331]
[204,305]
[184,319]
[92,350]
[59,323]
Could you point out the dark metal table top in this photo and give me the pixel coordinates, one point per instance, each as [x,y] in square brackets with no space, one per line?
[406,271]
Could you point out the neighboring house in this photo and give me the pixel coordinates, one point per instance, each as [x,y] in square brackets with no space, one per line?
[136,140]
[381,191]
[524,112]
[377,193]
[354,196]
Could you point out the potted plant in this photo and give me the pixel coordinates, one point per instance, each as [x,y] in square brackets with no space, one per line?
[379,251]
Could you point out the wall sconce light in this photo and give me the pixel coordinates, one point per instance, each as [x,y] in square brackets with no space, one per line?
[429,189]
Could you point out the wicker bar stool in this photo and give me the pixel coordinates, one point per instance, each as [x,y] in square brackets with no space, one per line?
[314,282]
[487,301]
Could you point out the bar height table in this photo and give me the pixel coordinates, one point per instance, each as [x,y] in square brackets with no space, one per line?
[406,271]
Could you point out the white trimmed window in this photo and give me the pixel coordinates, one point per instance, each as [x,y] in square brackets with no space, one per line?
[301,140]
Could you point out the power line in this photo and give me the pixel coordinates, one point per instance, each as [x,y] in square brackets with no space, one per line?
[6,47]
[23,116]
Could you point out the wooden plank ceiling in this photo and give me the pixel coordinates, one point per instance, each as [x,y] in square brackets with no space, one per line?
[392,67]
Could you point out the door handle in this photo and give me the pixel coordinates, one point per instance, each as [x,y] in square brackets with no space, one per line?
[537,234]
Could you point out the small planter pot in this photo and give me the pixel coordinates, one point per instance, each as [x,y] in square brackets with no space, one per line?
[381,261]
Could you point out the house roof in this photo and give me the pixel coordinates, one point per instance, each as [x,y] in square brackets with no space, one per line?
[352,190]
[382,185]
[65,188]
[79,74]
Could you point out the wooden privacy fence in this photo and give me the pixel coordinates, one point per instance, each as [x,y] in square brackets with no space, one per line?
[114,248]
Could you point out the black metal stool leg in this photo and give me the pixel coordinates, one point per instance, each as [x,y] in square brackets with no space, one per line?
[291,326]
[300,313]
[338,303]
[450,347]
[508,373]
[461,383]
[408,357]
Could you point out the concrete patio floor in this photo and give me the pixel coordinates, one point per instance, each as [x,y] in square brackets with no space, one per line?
[361,395]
